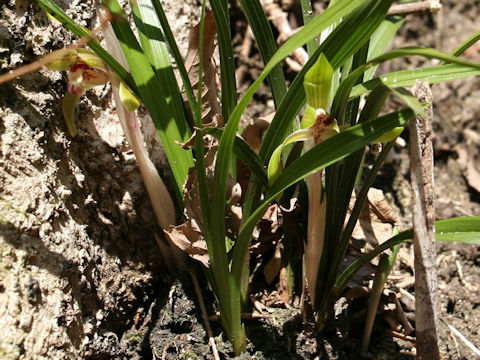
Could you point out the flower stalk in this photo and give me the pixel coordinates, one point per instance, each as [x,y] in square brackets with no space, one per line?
[317,126]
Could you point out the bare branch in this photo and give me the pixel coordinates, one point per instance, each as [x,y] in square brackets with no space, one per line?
[415,8]
[423,211]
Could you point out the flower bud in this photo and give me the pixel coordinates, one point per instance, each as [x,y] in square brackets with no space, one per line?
[318,83]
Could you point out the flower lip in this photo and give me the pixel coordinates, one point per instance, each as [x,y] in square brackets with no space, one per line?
[83,77]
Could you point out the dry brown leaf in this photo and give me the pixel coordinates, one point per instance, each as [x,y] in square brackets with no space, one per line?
[376,221]
[268,231]
[189,236]
[468,158]
[189,239]
[210,104]
[273,266]
[253,133]
[283,287]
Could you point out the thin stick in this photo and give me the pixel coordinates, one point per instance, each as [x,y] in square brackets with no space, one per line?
[47,59]
[407,327]
[423,211]
[279,19]
[400,336]
[211,339]
[415,8]
[472,347]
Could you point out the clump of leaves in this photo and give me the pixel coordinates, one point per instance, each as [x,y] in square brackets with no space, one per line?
[217,222]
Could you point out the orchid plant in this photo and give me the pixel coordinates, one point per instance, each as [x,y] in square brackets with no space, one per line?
[334,129]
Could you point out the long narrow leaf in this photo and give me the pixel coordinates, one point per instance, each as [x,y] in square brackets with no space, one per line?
[343,93]
[153,45]
[461,229]
[266,45]
[380,40]
[150,89]
[466,44]
[227,62]
[407,78]
[167,31]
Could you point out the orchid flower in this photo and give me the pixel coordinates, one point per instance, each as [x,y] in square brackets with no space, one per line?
[317,125]
[85,71]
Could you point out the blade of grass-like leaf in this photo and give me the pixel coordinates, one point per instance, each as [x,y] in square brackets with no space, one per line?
[227,294]
[461,229]
[150,89]
[322,155]
[466,44]
[52,9]
[307,15]
[153,45]
[244,153]
[342,96]
[372,107]
[224,155]
[380,40]
[340,180]
[167,31]
[406,78]
[227,62]
[266,45]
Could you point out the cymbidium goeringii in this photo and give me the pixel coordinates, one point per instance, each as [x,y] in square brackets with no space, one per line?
[317,125]
[85,71]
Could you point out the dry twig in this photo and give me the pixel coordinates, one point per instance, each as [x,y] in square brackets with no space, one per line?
[472,347]
[47,59]
[415,8]
[423,210]
[280,21]
[211,339]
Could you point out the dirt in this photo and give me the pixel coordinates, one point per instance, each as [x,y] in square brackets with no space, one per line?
[80,276]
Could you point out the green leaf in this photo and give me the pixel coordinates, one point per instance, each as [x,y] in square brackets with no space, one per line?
[466,44]
[407,78]
[153,45]
[167,31]
[227,62]
[380,40]
[152,94]
[461,229]
[266,45]
[244,153]
[343,93]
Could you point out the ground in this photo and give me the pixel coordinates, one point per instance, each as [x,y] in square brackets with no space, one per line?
[80,276]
